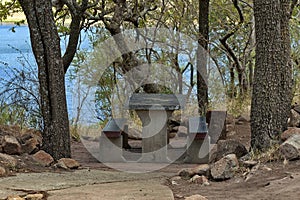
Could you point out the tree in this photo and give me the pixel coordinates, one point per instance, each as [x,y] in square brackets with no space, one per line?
[202,89]
[46,48]
[272,87]
[52,67]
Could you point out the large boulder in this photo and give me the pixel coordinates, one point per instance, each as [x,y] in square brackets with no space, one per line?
[8,160]
[11,145]
[43,158]
[290,149]
[225,167]
[225,147]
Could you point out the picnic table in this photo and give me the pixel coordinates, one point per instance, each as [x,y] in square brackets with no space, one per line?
[154,110]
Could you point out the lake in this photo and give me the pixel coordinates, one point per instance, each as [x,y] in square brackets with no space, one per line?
[15,46]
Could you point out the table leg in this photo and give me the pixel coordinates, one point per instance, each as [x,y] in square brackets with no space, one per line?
[154,133]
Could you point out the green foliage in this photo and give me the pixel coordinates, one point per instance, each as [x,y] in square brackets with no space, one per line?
[19,94]
[239,106]
[8,8]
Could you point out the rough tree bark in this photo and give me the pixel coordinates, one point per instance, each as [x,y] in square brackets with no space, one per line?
[272,86]
[202,88]
[46,48]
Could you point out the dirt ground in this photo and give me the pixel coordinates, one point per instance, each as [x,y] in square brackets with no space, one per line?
[273,180]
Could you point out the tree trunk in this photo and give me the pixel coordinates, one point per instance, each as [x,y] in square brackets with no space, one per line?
[202,88]
[272,86]
[46,48]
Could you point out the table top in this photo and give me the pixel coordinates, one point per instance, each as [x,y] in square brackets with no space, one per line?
[144,101]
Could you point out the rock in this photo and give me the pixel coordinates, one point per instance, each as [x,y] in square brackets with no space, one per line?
[225,167]
[175,128]
[31,134]
[290,149]
[14,197]
[230,128]
[175,178]
[203,169]
[174,121]
[290,132]
[11,145]
[225,147]
[230,119]
[179,196]
[69,162]
[296,108]
[134,134]
[182,131]
[249,163]
[174,183]
[31,146]
[243,118]
[2,171]
[186,173]
[8,160]
[196,197]
[61,165]
[34,196]
[172,134]
[43,158]
[294,120]
[201,180]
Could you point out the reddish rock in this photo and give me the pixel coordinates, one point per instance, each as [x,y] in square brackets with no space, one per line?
[8,160]
[172,134]
[11,145]
[31,146]
[290,132]
[43,158]
[69,162]
[2,171]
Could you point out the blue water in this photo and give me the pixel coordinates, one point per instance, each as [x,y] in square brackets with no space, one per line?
[16,46]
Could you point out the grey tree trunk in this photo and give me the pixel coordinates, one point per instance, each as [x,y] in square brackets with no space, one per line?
[202,88]
[46,48]
[272,86]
